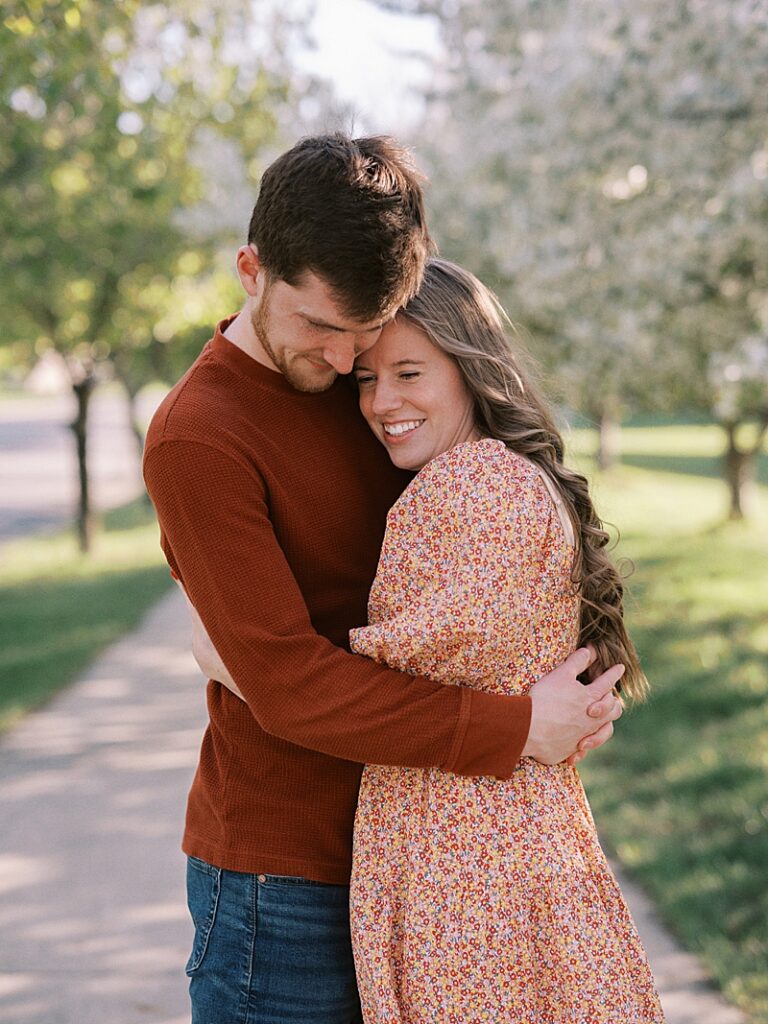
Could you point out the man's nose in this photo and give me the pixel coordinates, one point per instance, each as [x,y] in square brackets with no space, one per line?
[341,355]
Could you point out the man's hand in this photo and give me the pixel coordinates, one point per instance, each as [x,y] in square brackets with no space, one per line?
[568,717]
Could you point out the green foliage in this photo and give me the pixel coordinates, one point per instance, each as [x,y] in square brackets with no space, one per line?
[123,125]
[58,610]
[105,112]
[680,793]
[605,167]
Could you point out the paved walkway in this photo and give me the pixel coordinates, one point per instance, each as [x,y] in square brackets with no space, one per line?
[38,464]
[93,926]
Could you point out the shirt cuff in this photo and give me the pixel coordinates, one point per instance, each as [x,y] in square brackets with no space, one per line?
[492,740]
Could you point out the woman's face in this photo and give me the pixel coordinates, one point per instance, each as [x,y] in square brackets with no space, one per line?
[413,396]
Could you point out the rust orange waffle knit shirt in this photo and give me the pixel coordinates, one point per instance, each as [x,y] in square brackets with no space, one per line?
[272,506]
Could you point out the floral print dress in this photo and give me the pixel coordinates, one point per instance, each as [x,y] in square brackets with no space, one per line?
[476,899]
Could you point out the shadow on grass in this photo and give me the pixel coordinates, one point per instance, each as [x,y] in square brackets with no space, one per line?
[704,693]
[709,466]
[680,792]
[683,747]
[727,872]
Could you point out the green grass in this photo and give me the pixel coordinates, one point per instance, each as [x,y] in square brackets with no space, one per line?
[681,793]
[59,609]
[689,449]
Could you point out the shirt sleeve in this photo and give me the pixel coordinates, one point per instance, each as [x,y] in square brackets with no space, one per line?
[450,600]
[298,685]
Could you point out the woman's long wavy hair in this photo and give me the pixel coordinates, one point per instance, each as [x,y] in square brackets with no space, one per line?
[465,320]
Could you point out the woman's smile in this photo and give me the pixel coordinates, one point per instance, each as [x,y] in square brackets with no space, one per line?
[400,431]
[413,396]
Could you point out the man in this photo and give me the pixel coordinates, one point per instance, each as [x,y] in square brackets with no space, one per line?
[272,497]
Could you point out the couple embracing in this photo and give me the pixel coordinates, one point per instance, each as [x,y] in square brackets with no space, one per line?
[396,611]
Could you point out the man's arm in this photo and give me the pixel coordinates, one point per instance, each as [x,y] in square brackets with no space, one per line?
[220,542]
[550,734]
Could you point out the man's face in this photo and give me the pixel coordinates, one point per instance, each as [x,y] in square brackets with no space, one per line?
[305,335]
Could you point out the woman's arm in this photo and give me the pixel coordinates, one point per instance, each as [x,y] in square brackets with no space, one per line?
[205,654]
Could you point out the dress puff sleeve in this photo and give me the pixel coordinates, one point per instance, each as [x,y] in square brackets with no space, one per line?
[455,592]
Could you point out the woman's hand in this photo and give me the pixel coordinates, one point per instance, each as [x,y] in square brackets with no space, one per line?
[205,654]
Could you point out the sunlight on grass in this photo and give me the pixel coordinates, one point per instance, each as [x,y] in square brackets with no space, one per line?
[680,794]
[688,449]
[58,609]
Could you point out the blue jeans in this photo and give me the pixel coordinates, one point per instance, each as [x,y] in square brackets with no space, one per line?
[269,949]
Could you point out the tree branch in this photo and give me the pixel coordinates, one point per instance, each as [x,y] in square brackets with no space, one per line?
[103,305]
[762,431]
[42,314]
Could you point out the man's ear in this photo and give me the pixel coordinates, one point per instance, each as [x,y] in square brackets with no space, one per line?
[249,268]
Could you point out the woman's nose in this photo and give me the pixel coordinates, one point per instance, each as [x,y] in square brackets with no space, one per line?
[385,398]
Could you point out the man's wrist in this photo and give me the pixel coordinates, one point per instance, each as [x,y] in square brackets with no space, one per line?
[495,735]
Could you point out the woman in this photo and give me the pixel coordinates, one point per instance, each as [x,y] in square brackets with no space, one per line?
[475,899]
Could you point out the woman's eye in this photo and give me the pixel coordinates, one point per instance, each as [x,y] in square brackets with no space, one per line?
[409,375]
[362,381]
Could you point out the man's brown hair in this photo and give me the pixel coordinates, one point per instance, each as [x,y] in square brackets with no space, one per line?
[350,211]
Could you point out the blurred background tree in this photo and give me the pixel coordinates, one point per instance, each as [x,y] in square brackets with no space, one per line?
[132,133]
[605,167]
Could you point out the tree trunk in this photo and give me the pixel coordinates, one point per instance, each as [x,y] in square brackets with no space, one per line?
[738,466]
[138,434]
[608,436]
[133,418]
[132,387]
[83,390]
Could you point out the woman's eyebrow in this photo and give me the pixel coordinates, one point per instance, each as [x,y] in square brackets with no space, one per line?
[319,322]
[400,362]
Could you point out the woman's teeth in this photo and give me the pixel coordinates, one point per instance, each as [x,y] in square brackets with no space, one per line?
[395,429]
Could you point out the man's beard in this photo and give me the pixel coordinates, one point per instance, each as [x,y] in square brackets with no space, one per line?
[297,371]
